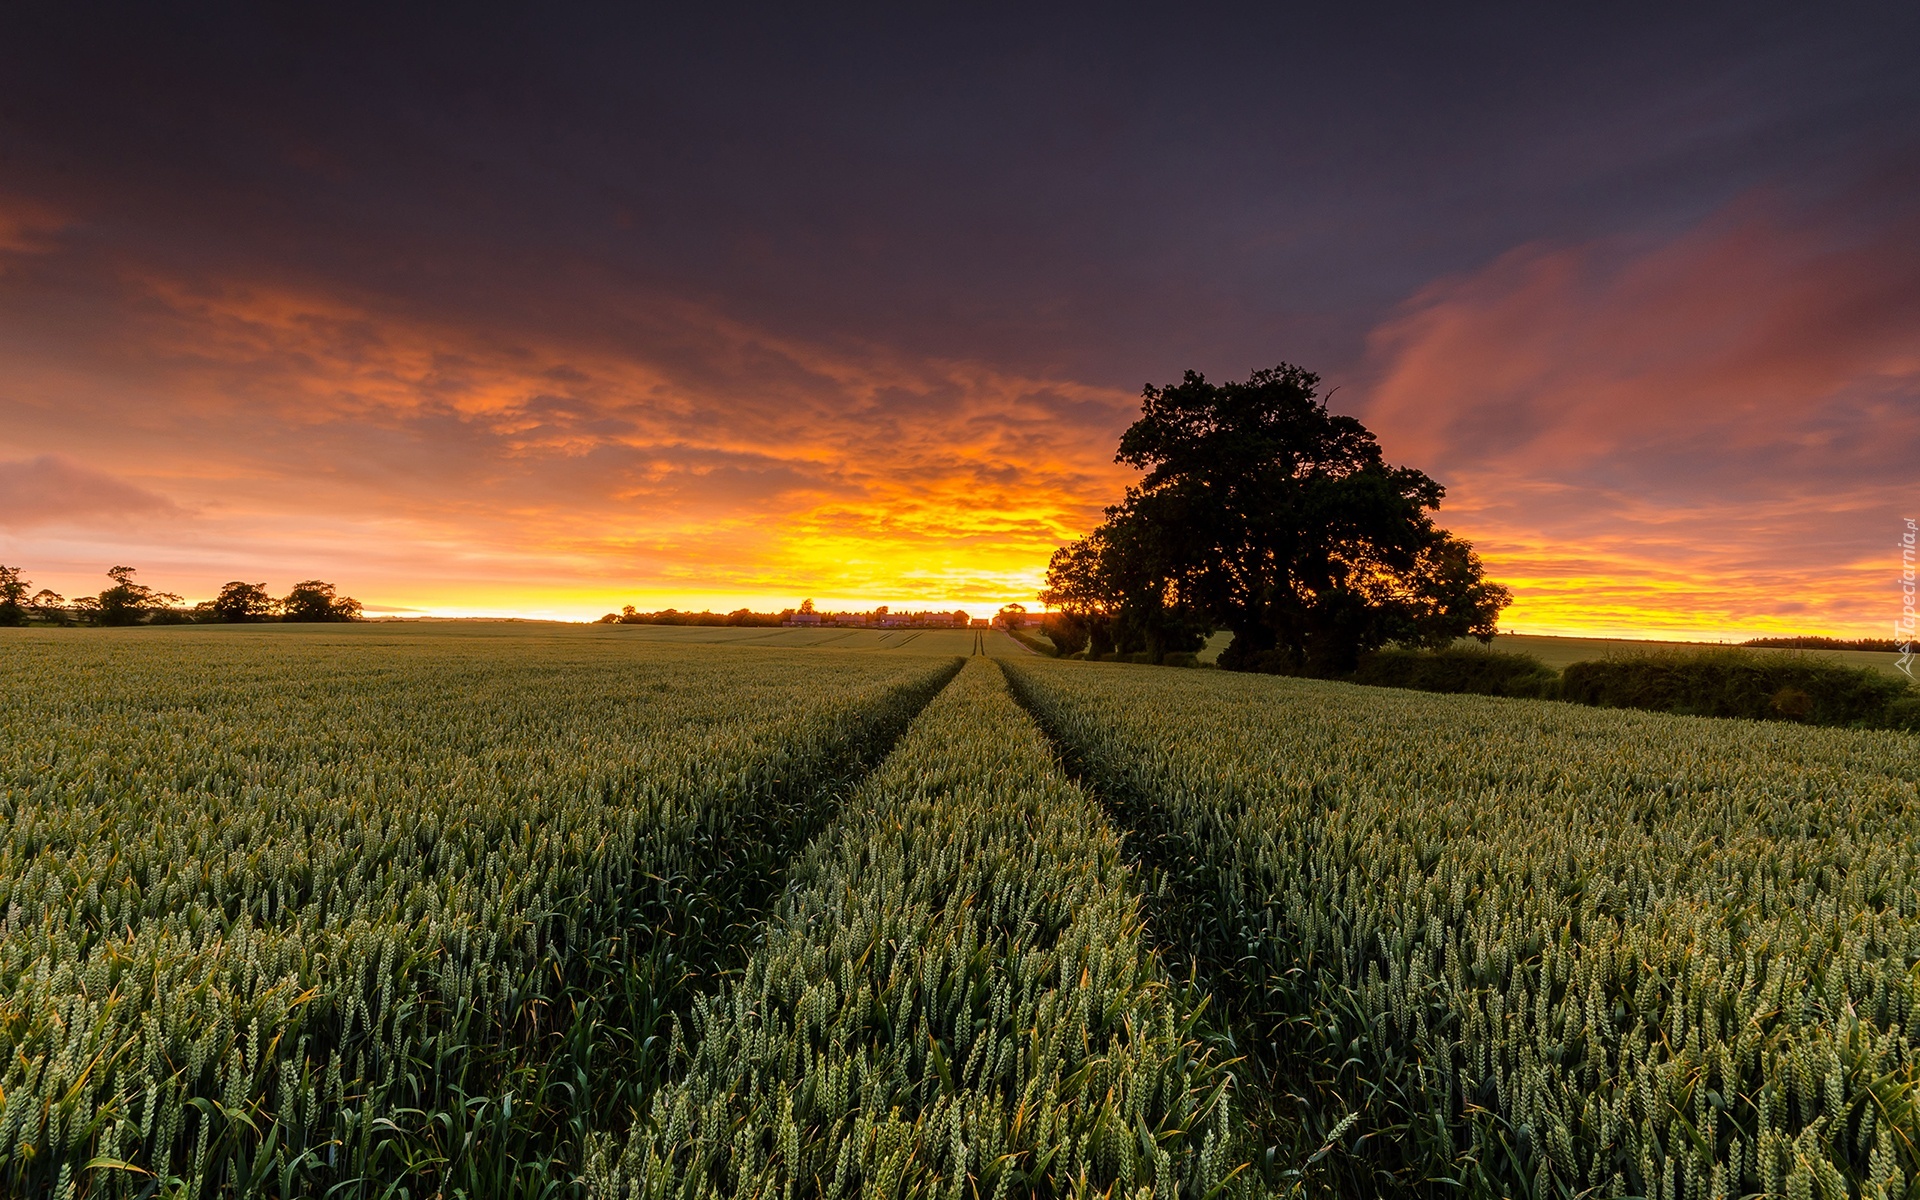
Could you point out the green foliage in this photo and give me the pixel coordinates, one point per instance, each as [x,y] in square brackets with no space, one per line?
[304,915]
[1036,644]
[1117,585]
[1735,683]
[1903,713]
[1540,950]
[1067,633]
[953,999]
[1459,669]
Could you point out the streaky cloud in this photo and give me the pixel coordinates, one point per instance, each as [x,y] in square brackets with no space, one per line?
[48,489]
[1707,432]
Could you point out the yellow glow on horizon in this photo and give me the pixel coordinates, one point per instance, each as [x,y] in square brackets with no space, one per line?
[440,470]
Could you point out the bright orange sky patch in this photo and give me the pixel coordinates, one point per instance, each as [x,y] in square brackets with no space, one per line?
[1677,440]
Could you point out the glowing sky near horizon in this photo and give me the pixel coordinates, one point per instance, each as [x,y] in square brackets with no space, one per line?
[546,315]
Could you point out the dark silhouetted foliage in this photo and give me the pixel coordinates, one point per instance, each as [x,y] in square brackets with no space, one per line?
[1114,583]
[1882,645]
[1459,669]
[240,601]
[1033,642]
[673,616]
[13,596]
[1263,513]
[315,600]
[128,602]
[1735,683]
[50,605]
[1903,713]
[1067,633]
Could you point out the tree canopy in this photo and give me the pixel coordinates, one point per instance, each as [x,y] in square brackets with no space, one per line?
[314,600]
[128,602]
[1263,513]
[241,601]
[13,596]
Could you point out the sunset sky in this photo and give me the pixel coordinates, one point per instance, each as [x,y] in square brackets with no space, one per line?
[546,314]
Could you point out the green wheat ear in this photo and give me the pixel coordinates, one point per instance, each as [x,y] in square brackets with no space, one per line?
[1521,948]
[414,912]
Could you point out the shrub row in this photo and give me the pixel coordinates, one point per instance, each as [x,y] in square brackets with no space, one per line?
[1035,643]
[1711,683]
[1731,683]
[1459,669]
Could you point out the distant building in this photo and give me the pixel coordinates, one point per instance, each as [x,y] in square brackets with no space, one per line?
[802,618]
[981,623]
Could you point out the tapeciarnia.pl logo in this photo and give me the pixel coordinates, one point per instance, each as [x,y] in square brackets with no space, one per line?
[1903,628]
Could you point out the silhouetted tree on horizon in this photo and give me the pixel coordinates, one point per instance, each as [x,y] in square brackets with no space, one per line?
[13,595]
[128,602]
[50,605]
[1263,513]
[315,600]
[239,602]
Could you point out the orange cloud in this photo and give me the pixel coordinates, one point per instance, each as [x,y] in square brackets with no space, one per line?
[697,457]
[49,490]
[27,226]
[1710,435]
[1714,435]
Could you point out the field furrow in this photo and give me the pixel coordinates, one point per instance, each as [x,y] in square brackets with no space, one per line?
[282,916]
[952,999]
[1532,949]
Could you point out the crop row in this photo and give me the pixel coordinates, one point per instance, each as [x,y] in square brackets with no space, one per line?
[284,916]
[1534,949]
[953,999]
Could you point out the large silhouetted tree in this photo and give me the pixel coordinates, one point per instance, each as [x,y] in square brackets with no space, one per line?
[50,605]
[1263,513]
[314,600]
[1115,587]
[128,602]
[241,601]
[13,596]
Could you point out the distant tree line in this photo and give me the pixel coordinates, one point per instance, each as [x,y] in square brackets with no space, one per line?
[805,614]
[1882,645]
[130,602]
[1264,514]
[673,616]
